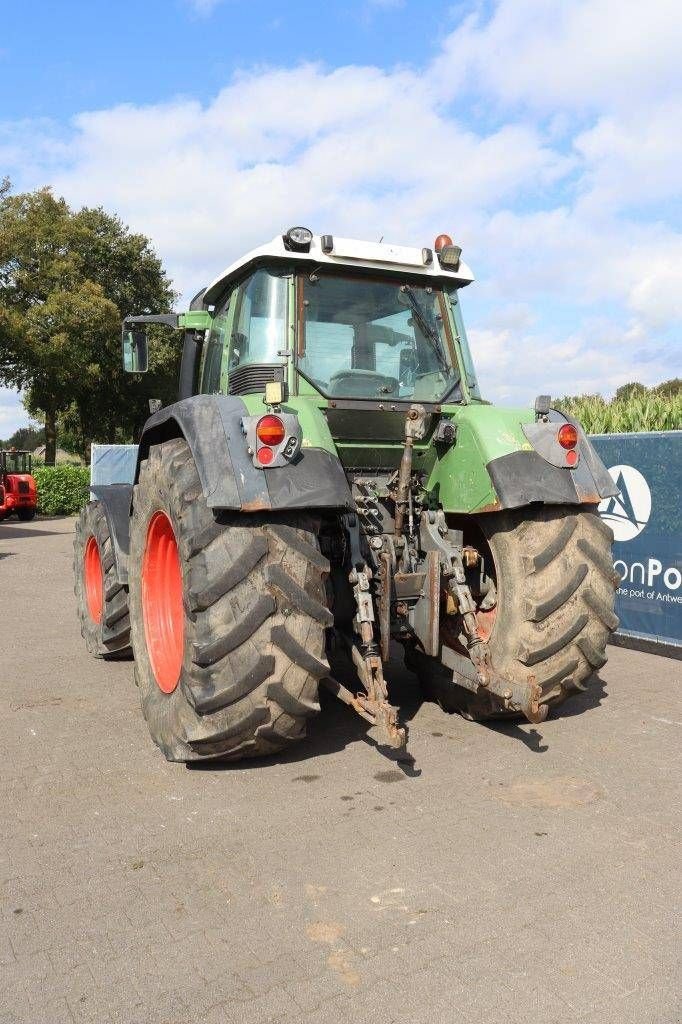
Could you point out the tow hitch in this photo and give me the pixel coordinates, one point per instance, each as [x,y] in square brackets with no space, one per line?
[372,704]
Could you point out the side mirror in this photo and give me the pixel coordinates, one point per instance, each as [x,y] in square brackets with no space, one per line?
[135,351]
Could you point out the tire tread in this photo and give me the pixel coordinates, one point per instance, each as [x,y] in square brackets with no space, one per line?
[255,620]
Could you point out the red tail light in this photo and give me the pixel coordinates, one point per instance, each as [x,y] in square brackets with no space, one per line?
[270,431]
[567,436]
[265,456]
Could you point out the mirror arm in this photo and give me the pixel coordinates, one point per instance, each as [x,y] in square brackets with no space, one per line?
[169,319]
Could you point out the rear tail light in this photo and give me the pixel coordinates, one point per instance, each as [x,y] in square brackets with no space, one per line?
[265,456]
[567,436]
[269,431]
[272,440]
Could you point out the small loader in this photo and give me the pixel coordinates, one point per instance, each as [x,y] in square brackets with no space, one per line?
[18,492]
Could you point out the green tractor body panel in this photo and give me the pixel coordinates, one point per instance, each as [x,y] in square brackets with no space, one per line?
[457,477]
[484,432]
[195,320]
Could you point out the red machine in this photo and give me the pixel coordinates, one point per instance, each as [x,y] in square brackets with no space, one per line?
[18,492]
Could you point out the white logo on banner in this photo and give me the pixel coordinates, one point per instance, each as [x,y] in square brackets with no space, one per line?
[628,512]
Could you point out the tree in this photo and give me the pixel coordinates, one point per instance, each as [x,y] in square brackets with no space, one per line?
[25,439]
[669,388]
[626,391]
[67,279]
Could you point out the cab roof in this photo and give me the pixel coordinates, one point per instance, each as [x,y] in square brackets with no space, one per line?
[344,252]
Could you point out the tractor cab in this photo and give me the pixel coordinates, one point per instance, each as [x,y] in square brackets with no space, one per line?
[18,492]
[332,318]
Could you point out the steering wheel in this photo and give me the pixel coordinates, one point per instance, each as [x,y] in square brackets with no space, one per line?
[362,383]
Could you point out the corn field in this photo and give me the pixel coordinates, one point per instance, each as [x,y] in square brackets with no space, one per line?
[625,415]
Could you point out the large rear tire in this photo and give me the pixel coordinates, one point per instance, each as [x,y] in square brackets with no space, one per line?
[26,514]
[555,593]
[228,614]
[102,601]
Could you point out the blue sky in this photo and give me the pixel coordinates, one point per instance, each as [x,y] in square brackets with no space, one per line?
[543,135]
[101,53]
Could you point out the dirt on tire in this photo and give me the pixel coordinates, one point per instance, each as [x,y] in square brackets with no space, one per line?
[255,614]
[555,596]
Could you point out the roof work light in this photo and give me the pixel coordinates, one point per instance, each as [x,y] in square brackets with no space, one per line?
[298,239]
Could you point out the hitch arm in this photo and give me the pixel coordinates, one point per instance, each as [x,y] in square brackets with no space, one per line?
[367,660]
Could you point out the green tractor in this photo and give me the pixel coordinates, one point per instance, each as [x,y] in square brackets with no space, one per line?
[331,479]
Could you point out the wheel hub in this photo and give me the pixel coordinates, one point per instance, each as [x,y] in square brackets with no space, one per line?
[93,578]
[162,607]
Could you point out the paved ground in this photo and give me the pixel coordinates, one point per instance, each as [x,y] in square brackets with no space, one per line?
[518,874]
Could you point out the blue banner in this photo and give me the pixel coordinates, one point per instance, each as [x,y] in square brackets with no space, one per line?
[646,519]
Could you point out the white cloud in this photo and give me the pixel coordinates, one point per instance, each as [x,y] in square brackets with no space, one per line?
[580,55]
[558,200]
[355,150]
[630,159]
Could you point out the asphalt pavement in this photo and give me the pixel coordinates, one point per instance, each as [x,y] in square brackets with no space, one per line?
[517,873]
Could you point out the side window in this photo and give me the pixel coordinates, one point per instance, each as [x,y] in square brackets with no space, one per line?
[260,318]
[215,346]
[469,369]
[249,326]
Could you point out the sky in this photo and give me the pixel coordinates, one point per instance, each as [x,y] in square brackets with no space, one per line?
[545,137]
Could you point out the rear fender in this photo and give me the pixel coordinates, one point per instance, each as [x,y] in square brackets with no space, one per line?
[503,459]
[212,427]
[116,499]
[541,474]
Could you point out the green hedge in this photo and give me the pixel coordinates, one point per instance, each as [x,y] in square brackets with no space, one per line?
[62,490]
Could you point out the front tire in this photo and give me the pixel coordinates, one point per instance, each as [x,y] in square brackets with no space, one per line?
[243,601]
[555,594]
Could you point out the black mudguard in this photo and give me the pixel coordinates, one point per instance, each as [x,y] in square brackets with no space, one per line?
[211,426]
[525,477]
[116,499]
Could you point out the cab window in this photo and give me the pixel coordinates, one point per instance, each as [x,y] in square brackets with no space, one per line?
[249,326]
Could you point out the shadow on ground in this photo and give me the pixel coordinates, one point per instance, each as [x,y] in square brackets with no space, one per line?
[10,531]
[338,726]
[578,704]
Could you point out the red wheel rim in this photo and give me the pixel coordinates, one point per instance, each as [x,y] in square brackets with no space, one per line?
[162,610]
[93,577]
